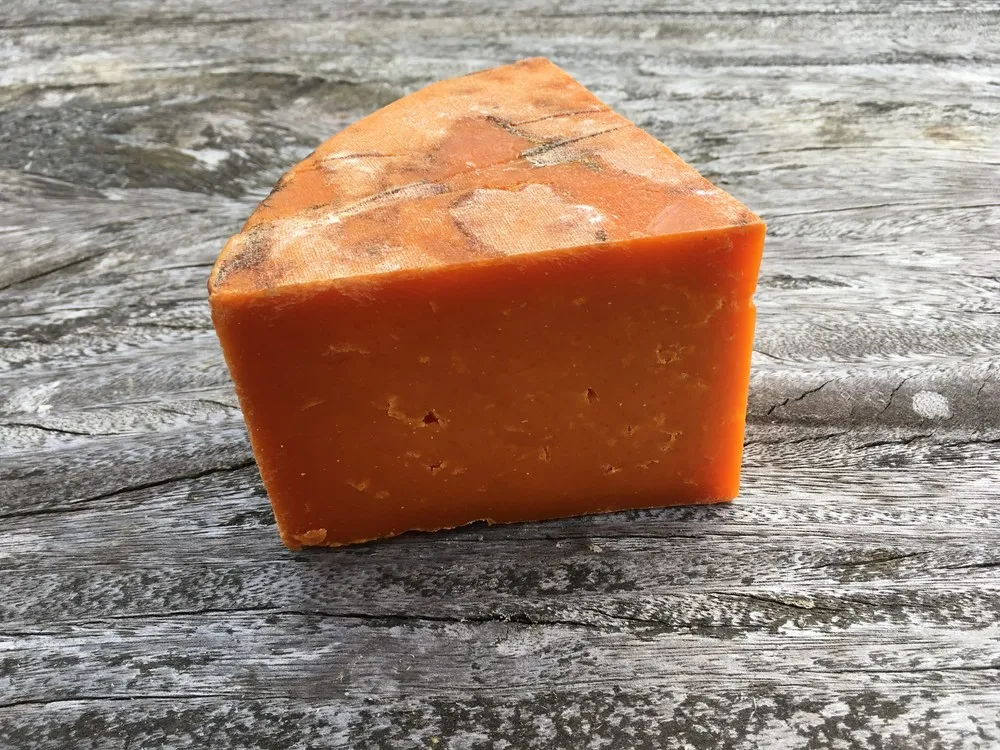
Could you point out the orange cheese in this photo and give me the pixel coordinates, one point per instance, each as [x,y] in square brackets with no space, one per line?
[494,299]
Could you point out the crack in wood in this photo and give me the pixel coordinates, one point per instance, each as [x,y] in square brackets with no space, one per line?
[799,441]
[55,430]
[900,442]
[224,405]
[971,566]
[643,621]
[50,271]
[390,619]
[986,380]
[892,395]
[971,441]
[81,503]
[775,357]
[790,400]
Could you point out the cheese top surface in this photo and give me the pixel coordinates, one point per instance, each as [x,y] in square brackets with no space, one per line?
[513,160]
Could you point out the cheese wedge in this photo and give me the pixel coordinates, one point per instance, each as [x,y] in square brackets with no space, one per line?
[494,299]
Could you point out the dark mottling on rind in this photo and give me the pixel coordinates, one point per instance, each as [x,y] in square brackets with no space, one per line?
[284,181]
[474,243]
[506,126]
[253,252]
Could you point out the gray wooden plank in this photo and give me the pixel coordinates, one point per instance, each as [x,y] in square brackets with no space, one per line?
[634,716]
[317,657]
[66,12]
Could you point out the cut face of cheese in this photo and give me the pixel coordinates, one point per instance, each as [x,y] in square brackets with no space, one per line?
[494,299]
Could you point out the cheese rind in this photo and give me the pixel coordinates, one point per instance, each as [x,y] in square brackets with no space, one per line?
[512,160]
[492,300]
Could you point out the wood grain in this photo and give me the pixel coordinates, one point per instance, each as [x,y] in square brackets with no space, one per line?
[850,597]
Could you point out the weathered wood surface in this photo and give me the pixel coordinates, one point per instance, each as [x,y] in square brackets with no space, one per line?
[851,597]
